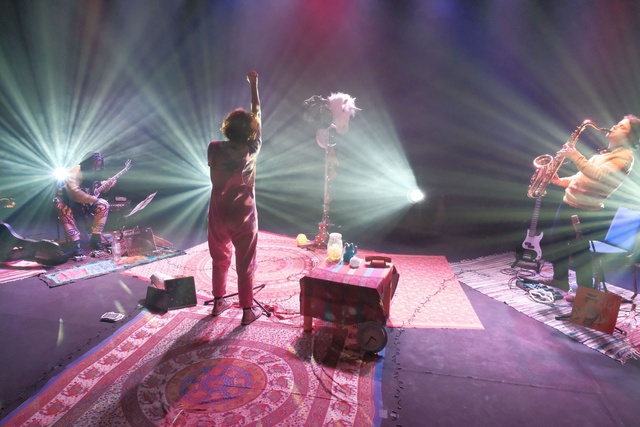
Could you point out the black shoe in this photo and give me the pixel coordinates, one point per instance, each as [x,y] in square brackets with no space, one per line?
[75,249]
[96,242]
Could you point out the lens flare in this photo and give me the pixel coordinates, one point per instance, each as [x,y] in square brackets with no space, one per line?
[415,195]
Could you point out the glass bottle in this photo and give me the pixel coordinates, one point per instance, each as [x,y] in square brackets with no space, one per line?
[334,247]
[116,249]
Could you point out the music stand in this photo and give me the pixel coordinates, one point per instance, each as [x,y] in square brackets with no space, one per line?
[140,206]
[143,204]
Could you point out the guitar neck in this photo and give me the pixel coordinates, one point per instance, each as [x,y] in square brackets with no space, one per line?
[534,218]
[99,190]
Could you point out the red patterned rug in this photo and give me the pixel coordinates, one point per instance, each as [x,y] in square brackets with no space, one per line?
[428,293]
[17,270]
[187,368]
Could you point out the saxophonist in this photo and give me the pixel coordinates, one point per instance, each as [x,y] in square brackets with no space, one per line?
[585,193]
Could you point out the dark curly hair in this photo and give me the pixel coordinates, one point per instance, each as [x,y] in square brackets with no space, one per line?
[240,126]
[634,133]
[93,161]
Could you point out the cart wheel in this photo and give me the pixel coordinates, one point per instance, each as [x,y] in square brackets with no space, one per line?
[371,336]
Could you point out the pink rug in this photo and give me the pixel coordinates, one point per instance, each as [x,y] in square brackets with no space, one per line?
[428,293]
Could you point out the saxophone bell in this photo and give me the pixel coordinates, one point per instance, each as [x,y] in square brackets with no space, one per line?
[542,161]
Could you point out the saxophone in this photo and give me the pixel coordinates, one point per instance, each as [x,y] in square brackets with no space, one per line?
[547,166]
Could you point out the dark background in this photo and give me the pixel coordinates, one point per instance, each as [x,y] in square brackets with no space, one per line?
[459,95]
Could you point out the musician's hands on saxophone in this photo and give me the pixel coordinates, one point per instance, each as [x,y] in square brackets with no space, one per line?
[547,166]
[570,152]
[557,181]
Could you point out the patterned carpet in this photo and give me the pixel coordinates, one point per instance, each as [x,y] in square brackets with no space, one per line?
[187,368]
[72,271]
[17,270]
[493,277]
[428,293]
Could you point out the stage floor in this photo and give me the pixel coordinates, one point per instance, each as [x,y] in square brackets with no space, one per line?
[513,370]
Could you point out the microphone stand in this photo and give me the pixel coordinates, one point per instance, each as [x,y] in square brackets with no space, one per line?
[330,159]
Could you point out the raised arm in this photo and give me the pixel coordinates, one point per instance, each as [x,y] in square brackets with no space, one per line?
[252,78]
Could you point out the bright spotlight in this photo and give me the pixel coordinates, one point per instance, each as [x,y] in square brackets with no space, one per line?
[60,174]
[416,195]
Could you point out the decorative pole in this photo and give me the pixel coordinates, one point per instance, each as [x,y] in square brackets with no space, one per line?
[328,115]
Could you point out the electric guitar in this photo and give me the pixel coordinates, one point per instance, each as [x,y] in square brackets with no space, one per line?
[14,247]
[99,189]
[531,244]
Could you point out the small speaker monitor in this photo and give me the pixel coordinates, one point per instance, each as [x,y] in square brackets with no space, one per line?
[157,300]
[182,292]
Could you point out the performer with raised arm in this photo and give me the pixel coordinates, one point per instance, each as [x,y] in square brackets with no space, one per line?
[585,193]
[233,217]
[76,196]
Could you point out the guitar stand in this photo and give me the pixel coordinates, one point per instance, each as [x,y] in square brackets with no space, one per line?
[528,265]
[259,288]
[530,254]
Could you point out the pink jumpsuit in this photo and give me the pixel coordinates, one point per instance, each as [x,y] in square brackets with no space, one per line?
[233,217]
